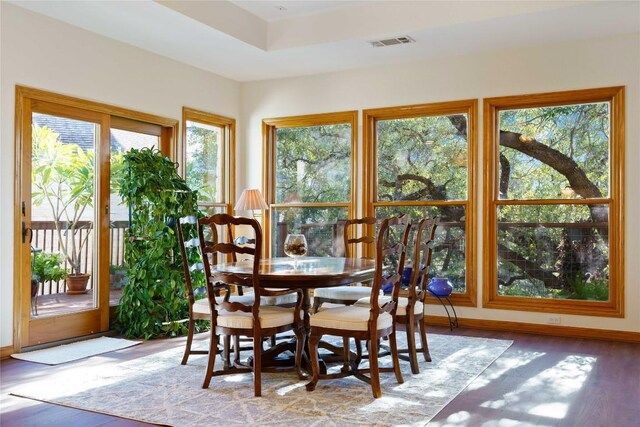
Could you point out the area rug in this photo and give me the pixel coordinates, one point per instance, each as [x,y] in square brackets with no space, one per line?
[75,351]
[157,389]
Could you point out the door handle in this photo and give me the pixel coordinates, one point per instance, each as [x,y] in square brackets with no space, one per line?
[26,230]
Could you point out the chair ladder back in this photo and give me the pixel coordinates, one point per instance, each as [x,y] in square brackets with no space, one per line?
[422,252]
[226,248]
[185,242]
[240,240]
[386,248]
[350,238]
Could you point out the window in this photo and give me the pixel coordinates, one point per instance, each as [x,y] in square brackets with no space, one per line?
[209,159]
[553,202]
[420,161]
[310,162]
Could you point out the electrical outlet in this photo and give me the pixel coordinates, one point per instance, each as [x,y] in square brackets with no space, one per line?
[553,320]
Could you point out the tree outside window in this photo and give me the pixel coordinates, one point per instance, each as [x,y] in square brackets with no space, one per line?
[554,202]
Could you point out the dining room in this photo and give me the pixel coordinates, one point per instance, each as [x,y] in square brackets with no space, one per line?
[305,213]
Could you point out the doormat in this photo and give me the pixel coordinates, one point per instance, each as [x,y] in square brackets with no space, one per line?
[77,350]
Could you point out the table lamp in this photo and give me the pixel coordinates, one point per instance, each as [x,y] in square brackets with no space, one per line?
[251,200]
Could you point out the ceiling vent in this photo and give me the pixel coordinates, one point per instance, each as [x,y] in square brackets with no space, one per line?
[393,41]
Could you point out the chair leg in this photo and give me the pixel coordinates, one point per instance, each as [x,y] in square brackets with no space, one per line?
[187,349]
[358,352]
[423,338]
[374,369]
[227,351]
[314,340]
[273,340]
[236,349]
[346,366]
[213,352]
[257,365]
[411,346]
[316,304]
[300,345]
[396,360]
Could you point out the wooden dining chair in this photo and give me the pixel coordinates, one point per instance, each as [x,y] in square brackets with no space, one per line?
[187,232]
[233,318]
[349,294]
[366,323]
[410,310]
[287,300]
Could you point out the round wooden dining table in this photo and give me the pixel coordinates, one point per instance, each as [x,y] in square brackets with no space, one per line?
[310,273]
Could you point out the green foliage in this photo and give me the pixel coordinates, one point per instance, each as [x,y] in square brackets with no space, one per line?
[62,178]
[153,302]
[580,132]
[596,289]
[422,158]
[47,267]
[203,147]
[313,164]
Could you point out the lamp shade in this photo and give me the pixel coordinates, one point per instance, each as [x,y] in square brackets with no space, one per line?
[251,200]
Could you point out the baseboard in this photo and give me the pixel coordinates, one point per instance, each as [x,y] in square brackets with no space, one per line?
[5,352]
[533,328]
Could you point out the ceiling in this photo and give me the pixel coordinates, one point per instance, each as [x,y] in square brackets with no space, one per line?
[258,40]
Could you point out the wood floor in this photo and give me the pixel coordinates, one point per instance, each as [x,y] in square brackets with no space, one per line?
[538,381]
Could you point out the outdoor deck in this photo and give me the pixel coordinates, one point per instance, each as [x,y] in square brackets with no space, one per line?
[61,303]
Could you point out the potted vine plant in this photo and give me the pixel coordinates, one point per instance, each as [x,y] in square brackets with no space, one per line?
[153,303]
[47,267]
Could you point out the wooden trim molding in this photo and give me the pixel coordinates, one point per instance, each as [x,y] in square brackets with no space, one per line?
[538,329]
[5,352]
[615,307]
[38,94]
[370,187]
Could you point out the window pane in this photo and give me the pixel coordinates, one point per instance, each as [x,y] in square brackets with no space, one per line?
[554,251]
[422,158]
[449,249]
[204,157]
[321,227]
[313,164]
[63,245]
[554,152]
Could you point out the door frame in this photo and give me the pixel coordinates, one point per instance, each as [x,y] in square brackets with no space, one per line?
[22,255]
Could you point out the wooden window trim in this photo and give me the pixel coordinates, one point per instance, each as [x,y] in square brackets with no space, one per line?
[229,152]
[269,127]
[492,106]
[370,173]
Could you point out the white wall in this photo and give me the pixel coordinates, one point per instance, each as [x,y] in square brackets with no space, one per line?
[566,66]
[46,54]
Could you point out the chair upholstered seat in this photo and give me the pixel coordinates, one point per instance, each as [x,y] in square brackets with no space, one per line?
[270,317]
[288,299]
[202,305]
[328,305]
[401,310]
[343,292]
[278,299]
[350,318]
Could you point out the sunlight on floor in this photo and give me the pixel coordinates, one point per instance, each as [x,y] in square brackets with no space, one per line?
[561,382]
[512,360]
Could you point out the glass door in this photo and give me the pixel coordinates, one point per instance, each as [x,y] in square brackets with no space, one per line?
[62,209]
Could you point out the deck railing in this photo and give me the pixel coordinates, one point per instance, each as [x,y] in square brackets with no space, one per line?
[46,239]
